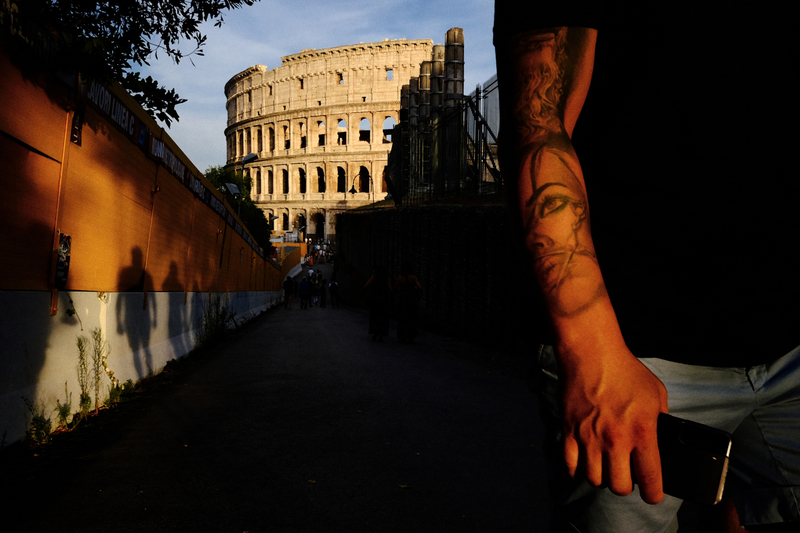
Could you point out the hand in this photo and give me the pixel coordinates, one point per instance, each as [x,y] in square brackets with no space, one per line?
[611,403]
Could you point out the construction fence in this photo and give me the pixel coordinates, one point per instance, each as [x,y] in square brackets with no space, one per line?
[107,226]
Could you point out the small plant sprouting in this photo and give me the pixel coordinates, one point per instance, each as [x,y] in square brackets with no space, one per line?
[85,403]
[128,388]
[214,321]
[64,410]
[114,395]
[38,434]
[118,392]
[99,354]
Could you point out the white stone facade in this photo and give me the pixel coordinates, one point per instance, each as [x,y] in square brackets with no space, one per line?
[319,126]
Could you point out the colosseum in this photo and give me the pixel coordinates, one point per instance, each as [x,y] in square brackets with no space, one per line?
[314,134]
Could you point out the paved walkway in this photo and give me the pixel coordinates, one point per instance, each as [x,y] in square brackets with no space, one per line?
[301,423]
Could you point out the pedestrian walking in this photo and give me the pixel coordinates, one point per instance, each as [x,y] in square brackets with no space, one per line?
[314,290]
[333,288]
[305,292]
[379,294]
[407,292]
[323,292]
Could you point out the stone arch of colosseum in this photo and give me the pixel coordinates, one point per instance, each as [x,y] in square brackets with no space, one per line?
[299,220]
[320,126]
[318,223]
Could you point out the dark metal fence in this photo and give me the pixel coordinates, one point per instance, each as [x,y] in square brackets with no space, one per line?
[453,152]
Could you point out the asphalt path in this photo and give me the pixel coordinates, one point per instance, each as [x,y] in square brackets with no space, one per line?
[301,423]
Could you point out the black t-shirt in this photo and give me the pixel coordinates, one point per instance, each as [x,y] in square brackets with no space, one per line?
[687,142]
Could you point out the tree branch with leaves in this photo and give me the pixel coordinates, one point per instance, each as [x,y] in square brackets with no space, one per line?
[107,41]
[252,215]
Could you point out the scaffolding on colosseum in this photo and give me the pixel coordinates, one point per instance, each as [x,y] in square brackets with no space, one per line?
[445,144]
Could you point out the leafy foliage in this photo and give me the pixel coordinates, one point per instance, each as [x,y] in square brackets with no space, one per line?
[252,216]
[100,351]
[85,403]
[64,410]
[213,322]
[106,41]
[38,434]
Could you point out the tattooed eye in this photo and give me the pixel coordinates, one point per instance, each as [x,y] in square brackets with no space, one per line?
[553,204]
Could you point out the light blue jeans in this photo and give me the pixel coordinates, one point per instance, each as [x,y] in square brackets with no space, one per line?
[759,406]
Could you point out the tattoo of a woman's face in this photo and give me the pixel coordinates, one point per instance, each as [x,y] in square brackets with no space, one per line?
[555,219]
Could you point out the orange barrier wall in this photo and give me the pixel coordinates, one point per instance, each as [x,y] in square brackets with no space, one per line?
[151,243]
[134,223]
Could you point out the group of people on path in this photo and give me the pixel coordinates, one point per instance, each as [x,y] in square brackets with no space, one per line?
[381,293]
[319,252]
[312,289]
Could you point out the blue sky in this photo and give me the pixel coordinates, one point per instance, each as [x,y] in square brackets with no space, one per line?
[263,33]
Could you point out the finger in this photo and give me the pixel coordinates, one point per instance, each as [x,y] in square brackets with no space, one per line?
[647,463]
[571,454]
[591,462]
[618,472]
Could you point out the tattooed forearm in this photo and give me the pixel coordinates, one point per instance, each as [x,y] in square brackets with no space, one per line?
[552,195]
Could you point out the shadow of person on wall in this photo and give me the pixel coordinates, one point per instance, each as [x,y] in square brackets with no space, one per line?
[136,316]
[178,323]
[26,329]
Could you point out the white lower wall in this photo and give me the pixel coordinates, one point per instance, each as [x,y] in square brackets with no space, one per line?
[39,353]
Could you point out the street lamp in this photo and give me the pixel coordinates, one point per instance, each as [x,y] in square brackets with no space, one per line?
[234,190]
[359,175]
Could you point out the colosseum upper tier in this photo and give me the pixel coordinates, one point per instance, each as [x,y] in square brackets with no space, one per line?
[318,127]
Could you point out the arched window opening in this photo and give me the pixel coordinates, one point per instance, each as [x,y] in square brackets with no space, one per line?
[270,184]
[286,142]
[341,182]
[271,140]
[285,181]
[320,133]
[260,140]
[388,129]
[302,135]
[341,134]
[364,130]
[318,223]
[320,180]
[363,180]
[258,182]
[300,223]
[285,222]
[240,146]
[302,174]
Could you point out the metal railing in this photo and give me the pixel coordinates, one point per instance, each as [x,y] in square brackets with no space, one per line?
[451,153]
